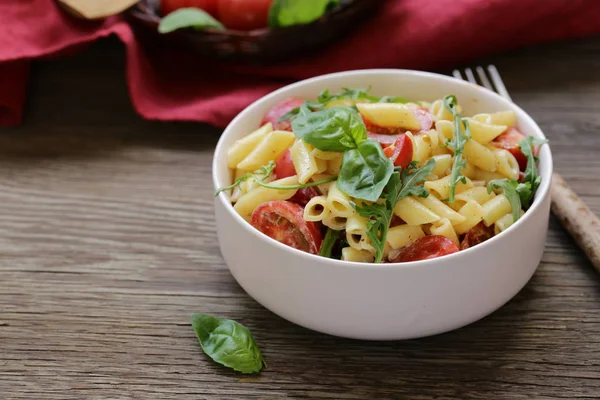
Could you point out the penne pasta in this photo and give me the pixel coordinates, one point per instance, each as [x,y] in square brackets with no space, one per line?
[269,149]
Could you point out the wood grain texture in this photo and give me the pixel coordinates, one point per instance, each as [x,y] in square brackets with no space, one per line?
[107,245]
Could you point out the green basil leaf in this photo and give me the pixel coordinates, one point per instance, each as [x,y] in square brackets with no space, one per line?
[365,171]
[188,18]
[333,129]
[510,191]
[228,343]
[297,12]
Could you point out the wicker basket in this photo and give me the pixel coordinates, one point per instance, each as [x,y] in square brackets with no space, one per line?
[259,46]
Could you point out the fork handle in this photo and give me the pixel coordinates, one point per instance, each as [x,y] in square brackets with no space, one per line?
[577,218]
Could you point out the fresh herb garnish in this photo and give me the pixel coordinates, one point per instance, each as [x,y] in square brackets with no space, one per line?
[228,343]
[365,169]
[329,241]
[298,12]
[188,18]
[325,97]
[401,184]
[261,174]
[457,144]
[520,194]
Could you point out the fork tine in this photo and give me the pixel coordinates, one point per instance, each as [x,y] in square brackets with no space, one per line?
[457,75]
[470,76]
[500,88]
[483,78]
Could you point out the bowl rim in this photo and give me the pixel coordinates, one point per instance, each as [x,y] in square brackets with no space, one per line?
[541,194]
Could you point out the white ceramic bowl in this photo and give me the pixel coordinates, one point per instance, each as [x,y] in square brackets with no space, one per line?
[382,301]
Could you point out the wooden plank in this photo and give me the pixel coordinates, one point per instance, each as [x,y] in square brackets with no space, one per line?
[107,245]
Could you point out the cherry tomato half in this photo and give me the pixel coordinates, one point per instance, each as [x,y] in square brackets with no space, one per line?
[244,15]
[279,110]
[383,139]
[401,152]
[477,234]
[425,248]
[284,166]
[509,140]
[168,6]
[303,195]
[284,222]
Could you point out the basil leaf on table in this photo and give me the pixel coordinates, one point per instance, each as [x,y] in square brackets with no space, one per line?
[333,129]
[297,12]
[188,18]
[228,343]
[365,171]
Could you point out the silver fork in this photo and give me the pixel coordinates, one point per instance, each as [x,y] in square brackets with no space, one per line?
[574,215]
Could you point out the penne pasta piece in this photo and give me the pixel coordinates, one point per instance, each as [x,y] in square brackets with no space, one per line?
[504,223]
[249,201]
[473,212]
[390,115]
[484,132]
[316,209]
[441,209]
[414,213]
[477,193]
[479,155]
[441,187]
[334,166]
[402,235]
[469,171]
[439,112]
[495,209]
[356,231]
[304,161]
[354,255]
[327,155]
[506,163]
[443,165]
[269,149]
[244,146]
[444,228]
[422,149]
[508,118]
[338,202]
[335,222]
[481,175]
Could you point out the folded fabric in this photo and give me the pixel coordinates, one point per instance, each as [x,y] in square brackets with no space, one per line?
[180,86]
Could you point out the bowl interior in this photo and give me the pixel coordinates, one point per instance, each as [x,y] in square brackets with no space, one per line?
[414,85]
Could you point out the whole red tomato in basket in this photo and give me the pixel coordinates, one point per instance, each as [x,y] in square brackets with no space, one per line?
[168,6]
[243,15]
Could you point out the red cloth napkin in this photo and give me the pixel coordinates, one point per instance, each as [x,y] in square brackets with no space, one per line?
[412,34]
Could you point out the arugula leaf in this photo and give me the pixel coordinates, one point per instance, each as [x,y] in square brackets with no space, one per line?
[531,173]
[365,171]
[401,184]
[228,343]
[330,239]
[188,18]
[261,174]
[333,129]
[297,12]
[457,144]
[510,191]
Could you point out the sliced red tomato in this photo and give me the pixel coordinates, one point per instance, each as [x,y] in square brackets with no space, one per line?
[168,6]
[303,195]
[401,152]
[279,110]
[425,248]
[244,15]
[424,117]
[477,234]
[284,166]
[509,140]
[284,222]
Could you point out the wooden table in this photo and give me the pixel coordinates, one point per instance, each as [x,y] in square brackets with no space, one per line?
[107,245]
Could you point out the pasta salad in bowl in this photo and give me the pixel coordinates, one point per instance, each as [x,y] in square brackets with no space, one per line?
[336,192]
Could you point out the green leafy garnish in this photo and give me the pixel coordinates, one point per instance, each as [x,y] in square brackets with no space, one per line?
[509,187]
[325,97]
[365,171]
[334,129]
[188,18]
[457,144]
[520,194]
[297,12]
[228,343]
[261,174]
[330,239]
[401,184]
